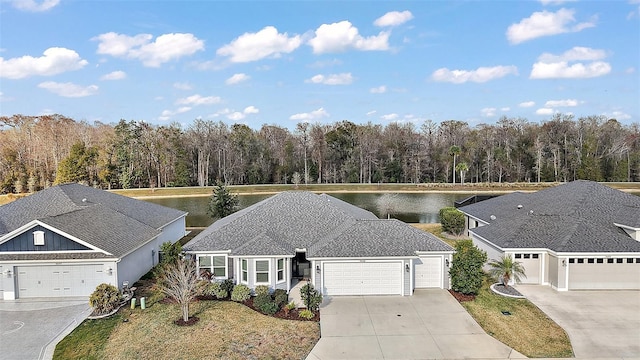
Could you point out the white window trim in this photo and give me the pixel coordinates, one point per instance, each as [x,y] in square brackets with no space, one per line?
[242,271]
[38,238]
[284,270]
[211,256]
[255,272]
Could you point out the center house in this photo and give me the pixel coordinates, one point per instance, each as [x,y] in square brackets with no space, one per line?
[342,249]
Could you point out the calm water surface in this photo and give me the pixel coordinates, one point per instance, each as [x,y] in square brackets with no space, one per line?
[411,208]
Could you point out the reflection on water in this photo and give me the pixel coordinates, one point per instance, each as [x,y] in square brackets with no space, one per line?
[411,208]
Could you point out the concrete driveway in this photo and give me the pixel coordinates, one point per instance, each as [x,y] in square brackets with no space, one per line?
[431,324]
[600,324]
[31,328]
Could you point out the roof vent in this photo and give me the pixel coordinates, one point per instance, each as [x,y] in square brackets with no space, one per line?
[519,206]
[530,212]
[492,217]
[84,200]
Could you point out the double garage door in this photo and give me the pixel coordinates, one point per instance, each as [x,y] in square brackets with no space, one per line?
[599,274]
[58,280]
[362,278]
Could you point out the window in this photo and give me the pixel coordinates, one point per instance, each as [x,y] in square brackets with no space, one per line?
[245,276]
[619,261]
[38,238]
[262,271]
[630,261]
[609,261]
[534,256]
[580,261]
[216,265]
[571,261]
[527,256]
[518,256]
[280,269]
[600,261]
[590,261]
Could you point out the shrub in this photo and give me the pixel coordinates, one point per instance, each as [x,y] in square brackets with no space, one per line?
[240,293]
[311,297]
[290,306]
[281,297]
[216,289]
[228,285]
[452,220]
[261,289]
[204,287]
[261,299]
[169,253]
[466,269]
[306,314]
[105,298]
[269,308]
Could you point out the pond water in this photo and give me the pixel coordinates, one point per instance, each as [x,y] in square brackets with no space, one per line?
[411,208]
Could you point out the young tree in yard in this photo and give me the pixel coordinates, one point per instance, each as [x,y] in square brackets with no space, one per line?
[466,269]
[506,269]
[170,252]
[179,281]
[222,202]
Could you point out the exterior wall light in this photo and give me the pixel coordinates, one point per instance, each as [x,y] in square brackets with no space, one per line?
[109,271]
[317,269]
[564,262]
[446,262]
[406,267]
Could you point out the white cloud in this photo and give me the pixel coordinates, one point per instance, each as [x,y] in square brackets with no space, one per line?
[618,115]
[54,61]
[390,117]
[393,18]
[554,2]
[372,112]
[505,108]
[342,36]
[167,114]
[561,103]
[69,89]
[165,48]
[326,63]
[197,99]
[480,75]
[114,75]
[35,6]
[545,111]
[182,86]
[237,78]
[313,115]
[546,23]
[488,112]
[378,90]
[630,70]
[527,104]
[551,66]
[332,79]
[251,110]
[256,46]
[562,70]
[236,116]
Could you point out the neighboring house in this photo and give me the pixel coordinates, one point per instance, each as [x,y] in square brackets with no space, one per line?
[579,235]
[67,239]
[342,249]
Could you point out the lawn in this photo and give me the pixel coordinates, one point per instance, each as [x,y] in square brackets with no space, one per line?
[527,330]
[226,330]
[436,229]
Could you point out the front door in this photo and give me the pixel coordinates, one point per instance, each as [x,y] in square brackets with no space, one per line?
[301,267]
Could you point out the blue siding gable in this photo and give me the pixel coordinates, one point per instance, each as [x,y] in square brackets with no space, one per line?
[52,242]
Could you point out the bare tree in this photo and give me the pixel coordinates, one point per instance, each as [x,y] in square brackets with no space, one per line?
[179,282]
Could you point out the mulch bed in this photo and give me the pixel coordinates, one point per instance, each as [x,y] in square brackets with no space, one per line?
[192,320]
[281,314]
[462,297]
[500,288]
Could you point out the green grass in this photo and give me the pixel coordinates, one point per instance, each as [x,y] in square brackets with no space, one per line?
[436,229]
[528,330]
[88,340]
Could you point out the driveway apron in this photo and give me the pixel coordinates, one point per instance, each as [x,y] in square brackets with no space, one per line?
[600,324]
[431,324]
[30,329]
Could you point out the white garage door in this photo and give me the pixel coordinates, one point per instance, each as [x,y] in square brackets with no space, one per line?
[616,273]
[60,280]
[428,272]
[362,278]
[531,264]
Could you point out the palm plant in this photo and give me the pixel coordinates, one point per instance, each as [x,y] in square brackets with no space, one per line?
[506,269]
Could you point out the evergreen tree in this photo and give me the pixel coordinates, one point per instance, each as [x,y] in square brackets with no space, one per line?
[222,202]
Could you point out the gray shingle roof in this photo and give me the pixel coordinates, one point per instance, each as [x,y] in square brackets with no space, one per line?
[322,224]
[574,217]
[114,223]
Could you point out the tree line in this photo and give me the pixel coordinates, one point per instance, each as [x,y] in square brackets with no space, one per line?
[39,151]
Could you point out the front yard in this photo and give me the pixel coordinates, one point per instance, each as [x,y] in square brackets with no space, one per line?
[226,330]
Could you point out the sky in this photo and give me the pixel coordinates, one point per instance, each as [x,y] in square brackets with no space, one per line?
[286,62]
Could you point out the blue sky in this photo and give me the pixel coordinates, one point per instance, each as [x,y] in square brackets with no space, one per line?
[284,62]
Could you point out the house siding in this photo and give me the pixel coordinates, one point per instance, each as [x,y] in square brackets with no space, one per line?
[492,251]
[173,231]
[52,242]
[137,263]
[553,271]
[407,289]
